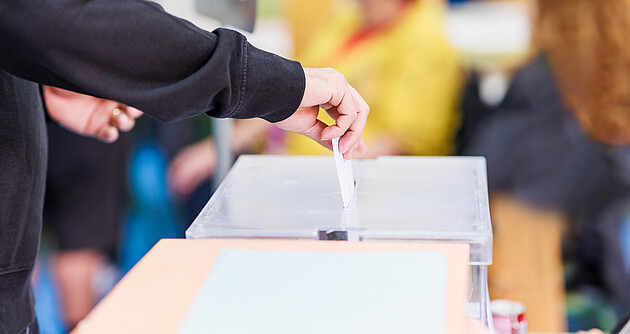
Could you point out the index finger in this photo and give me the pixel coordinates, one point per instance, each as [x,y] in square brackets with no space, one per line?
[352,138]
[133,112]
[347,114]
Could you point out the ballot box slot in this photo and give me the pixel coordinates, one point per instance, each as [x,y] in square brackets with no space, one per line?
[338,234]
[332,235]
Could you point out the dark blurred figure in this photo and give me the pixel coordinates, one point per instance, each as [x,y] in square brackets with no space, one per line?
[544,154]
[538,153]
[537,149]
[83,208]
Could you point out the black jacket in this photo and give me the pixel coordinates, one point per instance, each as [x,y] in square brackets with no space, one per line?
[130,51]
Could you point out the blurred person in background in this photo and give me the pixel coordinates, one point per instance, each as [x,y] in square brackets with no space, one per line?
[193,165]
[83,208]
[396,53]
[546,164]
[588,47]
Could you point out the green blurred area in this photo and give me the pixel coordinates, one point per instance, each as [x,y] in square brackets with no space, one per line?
[269,8]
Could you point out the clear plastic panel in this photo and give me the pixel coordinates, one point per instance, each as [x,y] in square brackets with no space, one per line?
[441,199]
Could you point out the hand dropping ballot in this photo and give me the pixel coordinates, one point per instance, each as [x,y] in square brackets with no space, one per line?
[344,173]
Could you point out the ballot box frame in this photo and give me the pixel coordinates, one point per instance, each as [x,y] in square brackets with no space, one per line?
[479,239]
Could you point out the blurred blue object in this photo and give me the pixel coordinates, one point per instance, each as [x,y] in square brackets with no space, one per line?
[153,215]
[46,299]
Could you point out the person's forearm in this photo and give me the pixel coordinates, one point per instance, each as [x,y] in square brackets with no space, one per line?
[133,52]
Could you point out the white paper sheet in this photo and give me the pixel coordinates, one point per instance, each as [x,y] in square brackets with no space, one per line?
[284,292]
[344,173]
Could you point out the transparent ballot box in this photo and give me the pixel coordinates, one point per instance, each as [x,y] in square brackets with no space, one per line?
[423,199]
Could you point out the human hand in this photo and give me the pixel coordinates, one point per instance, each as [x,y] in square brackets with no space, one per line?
[193,165]
[592,331]
[88,115]
[329,89]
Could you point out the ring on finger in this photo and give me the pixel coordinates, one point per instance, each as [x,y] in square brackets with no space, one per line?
[114,115]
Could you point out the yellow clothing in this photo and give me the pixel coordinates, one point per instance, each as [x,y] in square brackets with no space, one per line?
[406,73]
[298,12]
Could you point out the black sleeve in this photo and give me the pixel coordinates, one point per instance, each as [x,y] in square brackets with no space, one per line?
[133,52]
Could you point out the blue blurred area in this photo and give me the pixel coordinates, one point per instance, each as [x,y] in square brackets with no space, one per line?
[153,216]
[47,301]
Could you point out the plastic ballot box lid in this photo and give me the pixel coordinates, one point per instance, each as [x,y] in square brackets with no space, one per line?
[430,199]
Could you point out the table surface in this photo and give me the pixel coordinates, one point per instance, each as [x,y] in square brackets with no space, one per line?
[155,295]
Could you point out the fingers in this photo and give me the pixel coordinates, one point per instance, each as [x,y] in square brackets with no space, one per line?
[121,119]
[353,124]
[351,140]
[350,114]
[345,110]
[329,89]
[107,133]
[342,123]
[315,132]
[133,112]
[350,152]
[362,146]
[304,121]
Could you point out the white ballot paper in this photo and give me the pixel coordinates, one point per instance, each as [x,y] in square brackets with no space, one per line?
[344,173]
[288,292]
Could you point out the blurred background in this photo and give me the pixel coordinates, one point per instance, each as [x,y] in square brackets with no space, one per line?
[442,78]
